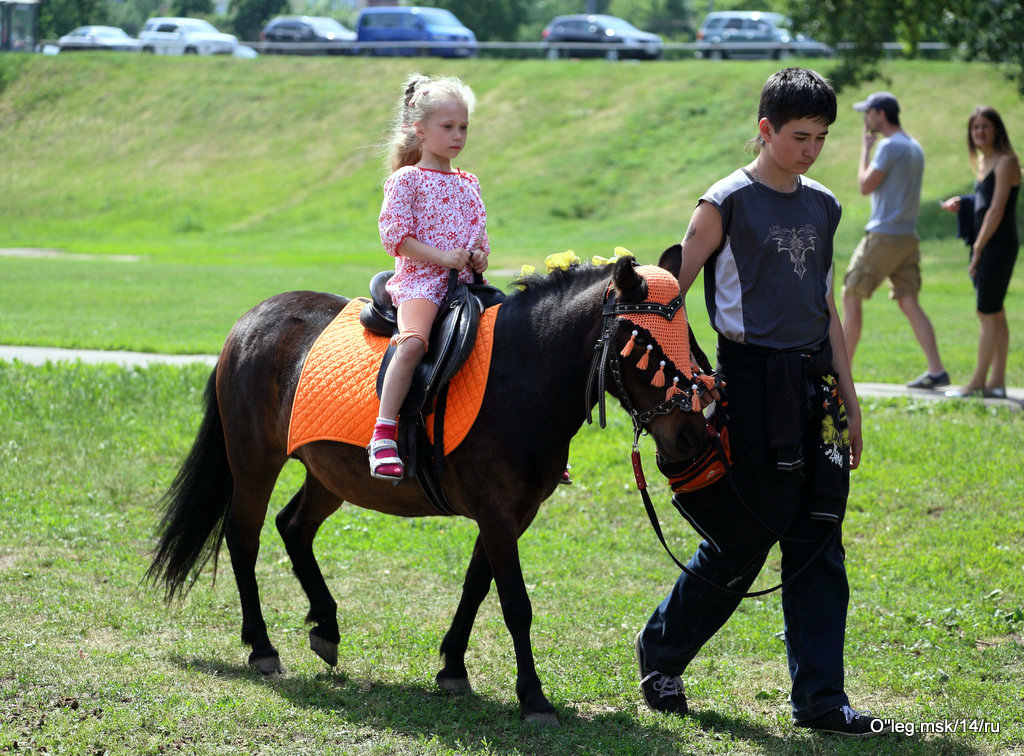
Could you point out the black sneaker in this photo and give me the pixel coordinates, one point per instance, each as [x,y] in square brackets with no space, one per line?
[660,692]
[849,722]
[928,381]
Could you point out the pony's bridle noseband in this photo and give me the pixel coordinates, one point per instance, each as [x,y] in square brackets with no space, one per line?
[656,315]
[605,356]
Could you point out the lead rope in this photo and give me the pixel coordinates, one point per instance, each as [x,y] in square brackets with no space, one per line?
[652,515]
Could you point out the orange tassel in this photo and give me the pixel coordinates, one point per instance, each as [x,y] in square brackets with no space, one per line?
[695,400]
[659,378]
[707,380]
[642,364]
[629,345]
[673,389]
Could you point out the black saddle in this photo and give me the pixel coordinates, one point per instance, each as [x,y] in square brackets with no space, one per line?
[451,341]
[451,337]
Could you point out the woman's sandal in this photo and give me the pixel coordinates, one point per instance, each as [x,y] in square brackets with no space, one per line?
[380,444]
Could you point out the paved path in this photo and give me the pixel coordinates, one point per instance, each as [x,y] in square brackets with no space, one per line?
[42,355]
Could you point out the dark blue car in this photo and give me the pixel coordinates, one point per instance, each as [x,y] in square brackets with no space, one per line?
[416,30]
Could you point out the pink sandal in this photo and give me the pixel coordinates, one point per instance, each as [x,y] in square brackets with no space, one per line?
[393,469]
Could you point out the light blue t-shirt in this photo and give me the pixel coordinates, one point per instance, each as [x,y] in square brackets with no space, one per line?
[897,200]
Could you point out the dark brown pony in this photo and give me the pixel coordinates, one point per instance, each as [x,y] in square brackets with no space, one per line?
[537,397]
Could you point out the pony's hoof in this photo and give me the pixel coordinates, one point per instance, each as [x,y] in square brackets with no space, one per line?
[455,686]
[267,665]
[325,649]
[542,719]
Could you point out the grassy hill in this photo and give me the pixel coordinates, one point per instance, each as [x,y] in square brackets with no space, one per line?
[201,157]
[266,174]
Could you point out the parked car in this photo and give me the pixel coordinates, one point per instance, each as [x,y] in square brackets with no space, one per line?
[98,38]
[418,28]
[307,35]
[754,34]
[185,36]
[599,36]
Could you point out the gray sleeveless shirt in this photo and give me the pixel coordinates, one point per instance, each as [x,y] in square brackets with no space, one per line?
[767,284]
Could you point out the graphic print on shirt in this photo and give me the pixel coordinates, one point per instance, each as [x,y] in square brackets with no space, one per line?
[796,241]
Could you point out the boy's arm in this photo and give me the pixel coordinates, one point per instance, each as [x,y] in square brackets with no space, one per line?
[703,237]
[847,389]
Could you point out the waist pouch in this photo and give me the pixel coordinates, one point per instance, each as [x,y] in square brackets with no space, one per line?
[790,459]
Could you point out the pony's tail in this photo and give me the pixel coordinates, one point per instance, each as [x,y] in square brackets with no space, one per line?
[194,507]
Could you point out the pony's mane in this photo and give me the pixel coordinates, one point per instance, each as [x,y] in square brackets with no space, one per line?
[541,285]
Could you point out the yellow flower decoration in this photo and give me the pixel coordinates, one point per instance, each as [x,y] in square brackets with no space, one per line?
[561,260]
[619,252]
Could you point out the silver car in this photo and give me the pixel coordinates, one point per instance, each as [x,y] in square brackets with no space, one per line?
[97,38]
[754,34]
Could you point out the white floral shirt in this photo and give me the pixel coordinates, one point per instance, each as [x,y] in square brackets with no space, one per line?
[444,210]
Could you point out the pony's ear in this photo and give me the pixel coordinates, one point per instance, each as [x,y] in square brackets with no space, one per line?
[631,287]
[672,259]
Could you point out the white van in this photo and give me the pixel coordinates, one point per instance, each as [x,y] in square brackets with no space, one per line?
[185,36]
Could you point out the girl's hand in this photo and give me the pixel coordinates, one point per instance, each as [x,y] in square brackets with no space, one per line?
[951,205]
[456,259]
[478,261]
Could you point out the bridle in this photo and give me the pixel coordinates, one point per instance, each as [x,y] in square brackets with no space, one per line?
[607,360]
[705,389]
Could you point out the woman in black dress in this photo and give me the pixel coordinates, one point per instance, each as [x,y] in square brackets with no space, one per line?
[989,222]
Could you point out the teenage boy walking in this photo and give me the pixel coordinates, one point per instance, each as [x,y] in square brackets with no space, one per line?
[763,236]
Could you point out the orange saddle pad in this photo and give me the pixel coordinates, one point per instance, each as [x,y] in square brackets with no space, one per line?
[336,399]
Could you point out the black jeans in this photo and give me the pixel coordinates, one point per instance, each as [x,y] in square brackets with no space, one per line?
[814,603]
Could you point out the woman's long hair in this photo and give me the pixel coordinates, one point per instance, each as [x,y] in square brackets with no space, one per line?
[1002,140]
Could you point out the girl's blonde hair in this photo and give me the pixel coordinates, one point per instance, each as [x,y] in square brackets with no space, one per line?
[421,96]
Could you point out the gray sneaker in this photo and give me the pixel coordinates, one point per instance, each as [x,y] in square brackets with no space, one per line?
[660,692]
[928,381]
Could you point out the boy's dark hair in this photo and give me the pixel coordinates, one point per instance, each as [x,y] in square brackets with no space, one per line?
[794,93]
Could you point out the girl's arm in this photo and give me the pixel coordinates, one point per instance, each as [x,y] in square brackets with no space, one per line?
[847,389]
[1007,169]
[414,249]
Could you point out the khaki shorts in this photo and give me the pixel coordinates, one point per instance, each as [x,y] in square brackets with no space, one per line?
[880,256]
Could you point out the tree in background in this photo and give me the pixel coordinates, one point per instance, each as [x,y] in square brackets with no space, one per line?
[132,14]
[190,8]
[989,30]
[249,16]
[490,20]
[674,19]
[58,17]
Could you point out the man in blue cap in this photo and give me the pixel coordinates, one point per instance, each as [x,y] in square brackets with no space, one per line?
[890,247]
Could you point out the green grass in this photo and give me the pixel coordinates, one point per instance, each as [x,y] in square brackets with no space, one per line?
[231,180]
[226,181]
[95,663]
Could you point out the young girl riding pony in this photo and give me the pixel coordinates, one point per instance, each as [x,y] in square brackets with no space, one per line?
[432,220]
